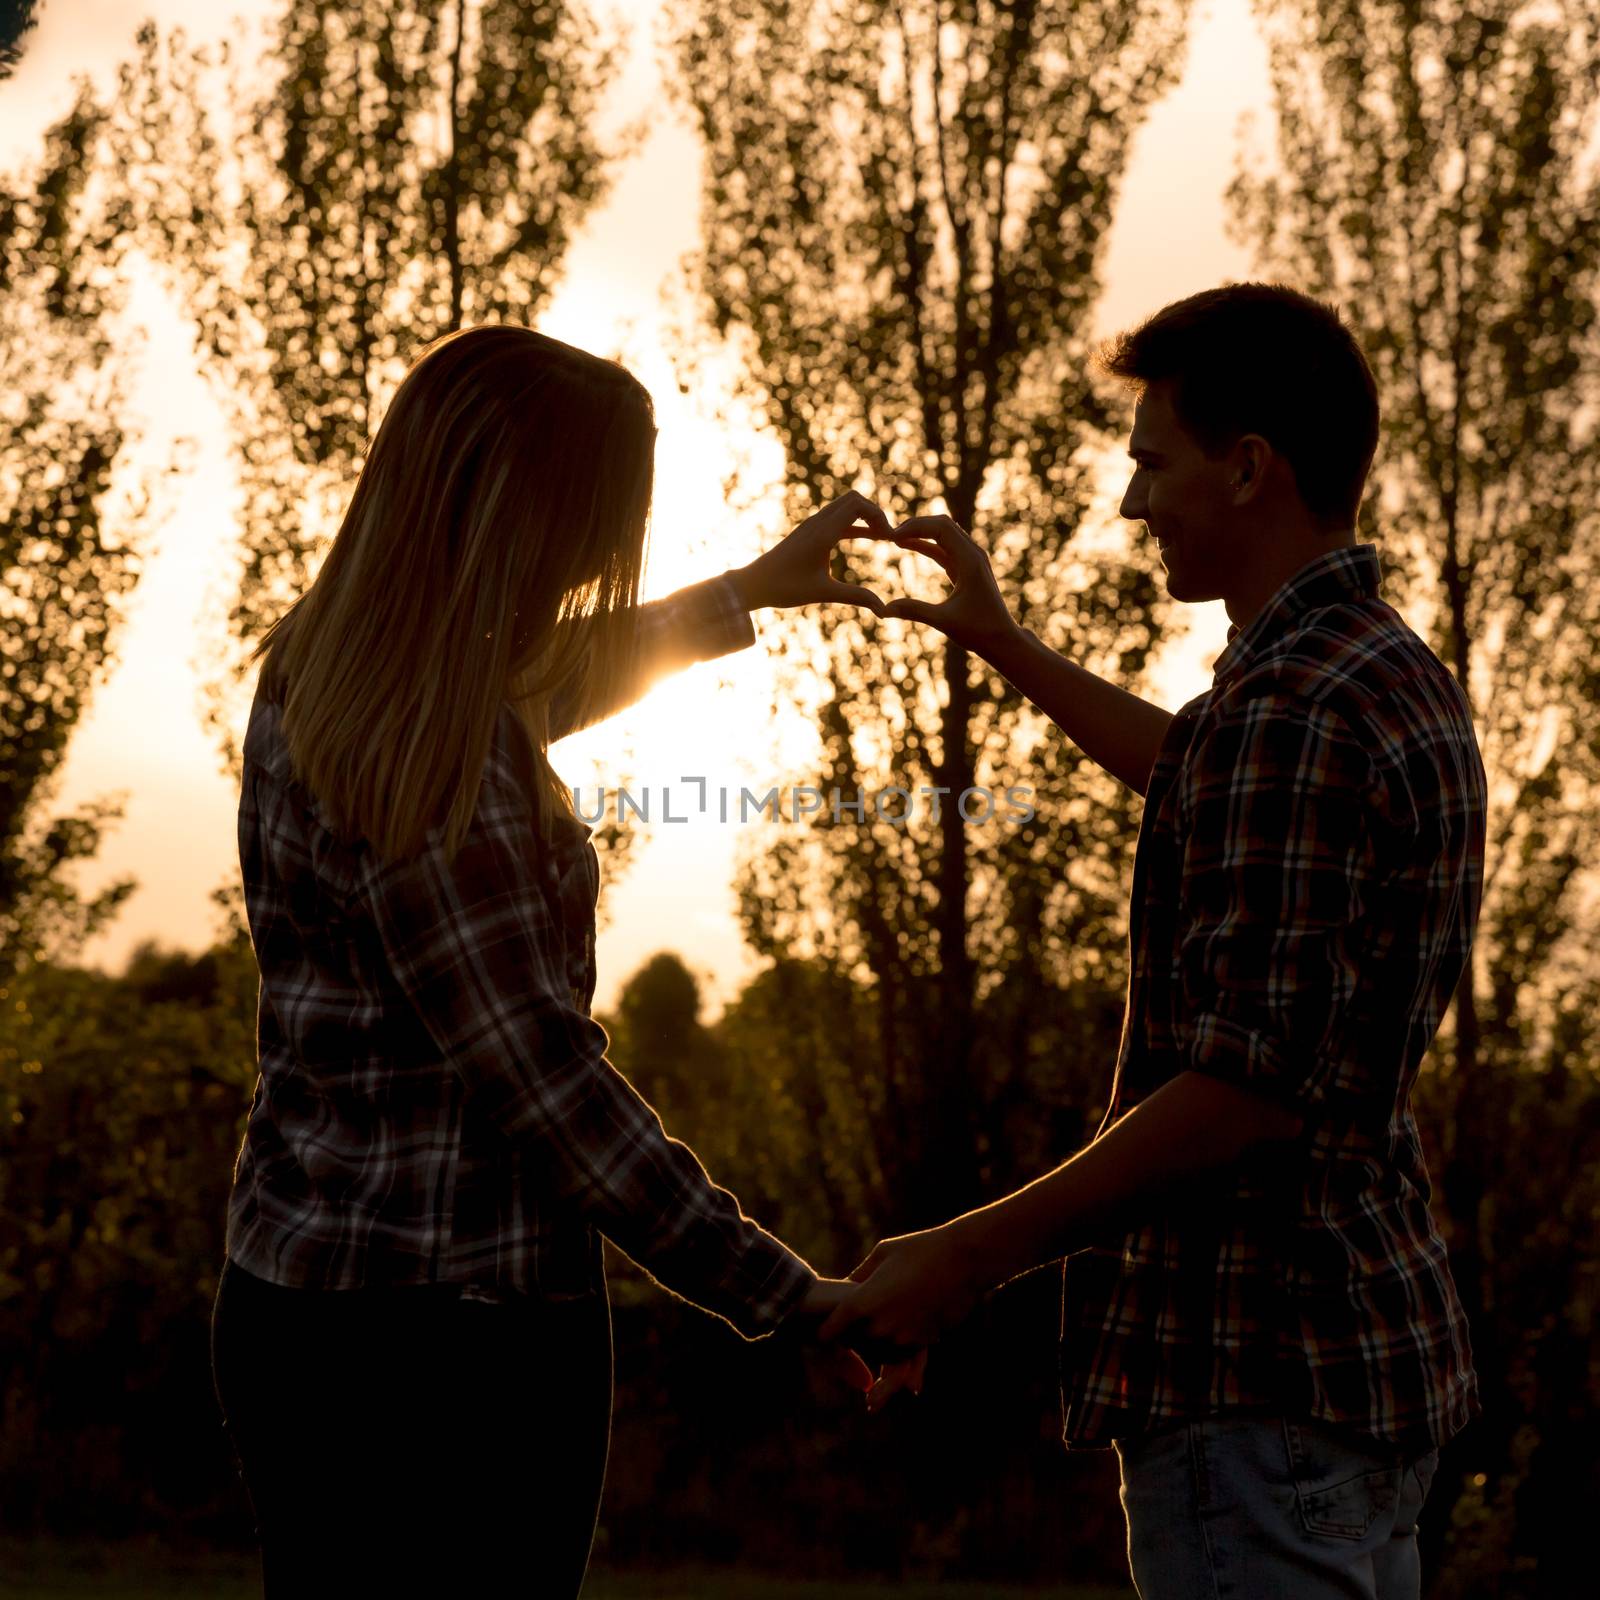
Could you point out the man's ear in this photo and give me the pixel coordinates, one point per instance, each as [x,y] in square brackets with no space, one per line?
[1251,457]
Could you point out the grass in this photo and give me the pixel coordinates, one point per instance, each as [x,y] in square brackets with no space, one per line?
[57,1571]
[726,1586]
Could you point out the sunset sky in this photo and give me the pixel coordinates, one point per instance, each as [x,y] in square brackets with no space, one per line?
[143,733]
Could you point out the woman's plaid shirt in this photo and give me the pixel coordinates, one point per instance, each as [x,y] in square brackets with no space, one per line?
[1305,889]
[434,1102]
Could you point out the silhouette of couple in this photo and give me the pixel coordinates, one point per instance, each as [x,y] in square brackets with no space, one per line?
[411,1341]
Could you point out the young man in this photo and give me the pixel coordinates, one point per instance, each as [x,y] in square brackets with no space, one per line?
[1259,1314]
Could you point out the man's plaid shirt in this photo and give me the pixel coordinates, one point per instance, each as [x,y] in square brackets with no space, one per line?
[434,1102]
[1305,889]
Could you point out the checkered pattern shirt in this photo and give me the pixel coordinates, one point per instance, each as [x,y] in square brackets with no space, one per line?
[1305,889]
[434,1102]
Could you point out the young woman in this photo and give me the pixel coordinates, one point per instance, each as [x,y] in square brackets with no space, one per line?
[411,1339]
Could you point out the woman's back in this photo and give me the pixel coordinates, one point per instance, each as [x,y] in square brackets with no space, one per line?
[365,1163]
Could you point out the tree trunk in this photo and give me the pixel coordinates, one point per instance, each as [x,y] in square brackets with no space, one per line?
[452,203]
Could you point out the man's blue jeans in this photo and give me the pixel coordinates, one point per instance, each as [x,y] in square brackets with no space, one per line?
[1254,1507]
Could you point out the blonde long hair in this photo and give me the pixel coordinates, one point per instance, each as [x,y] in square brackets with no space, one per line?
[491,552]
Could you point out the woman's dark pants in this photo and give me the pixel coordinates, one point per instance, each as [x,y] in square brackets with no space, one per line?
[404,1441]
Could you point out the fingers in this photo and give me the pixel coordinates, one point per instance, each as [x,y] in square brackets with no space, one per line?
[853,594]
[864,510]
[853,1370]
[943,531]
[913,611]
[900,1375]
[885,1389]
[923,547]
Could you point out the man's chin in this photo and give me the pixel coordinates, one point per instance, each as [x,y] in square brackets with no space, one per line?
[1175,583]
[1179,587]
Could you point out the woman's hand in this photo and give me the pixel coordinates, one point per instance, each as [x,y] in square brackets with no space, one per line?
[974,613]
[796,572]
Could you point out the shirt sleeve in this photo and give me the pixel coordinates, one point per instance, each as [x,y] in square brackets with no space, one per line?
[473,943]
[697,623]
[1279,875]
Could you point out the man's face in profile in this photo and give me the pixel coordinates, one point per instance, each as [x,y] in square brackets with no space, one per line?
[1183,499]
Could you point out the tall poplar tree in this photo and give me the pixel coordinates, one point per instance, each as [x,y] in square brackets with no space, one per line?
[1433,183]
[66,551]
[905,210]
[373,176]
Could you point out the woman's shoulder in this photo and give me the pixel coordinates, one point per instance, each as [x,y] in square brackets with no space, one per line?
[512,766]
[264,744]
[510,759]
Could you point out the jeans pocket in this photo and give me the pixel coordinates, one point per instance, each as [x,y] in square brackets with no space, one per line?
[1341,1489]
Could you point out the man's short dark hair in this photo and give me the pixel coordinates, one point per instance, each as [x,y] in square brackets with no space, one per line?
[1264,358]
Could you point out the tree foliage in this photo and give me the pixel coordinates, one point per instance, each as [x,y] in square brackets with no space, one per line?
[17,20]
[374,176]
[905,210]
[66,549]
[773,1098]
[122,1103]
[1433,184]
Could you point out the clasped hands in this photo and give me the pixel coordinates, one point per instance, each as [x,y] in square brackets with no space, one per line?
[879,1322]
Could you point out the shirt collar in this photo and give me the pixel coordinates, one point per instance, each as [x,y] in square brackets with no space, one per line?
[1350,572]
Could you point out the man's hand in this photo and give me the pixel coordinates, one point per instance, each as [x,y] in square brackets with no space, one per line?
[912,1289]
[796,572]
[974,613]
